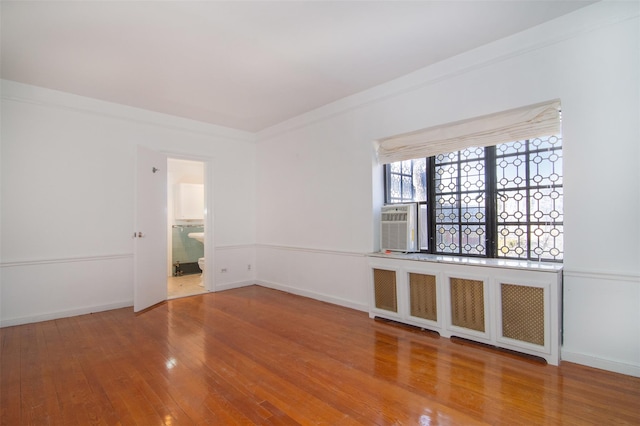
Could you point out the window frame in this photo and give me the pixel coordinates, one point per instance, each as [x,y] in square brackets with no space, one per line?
[491,193]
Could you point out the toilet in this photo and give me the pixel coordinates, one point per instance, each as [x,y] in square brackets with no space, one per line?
[201,265]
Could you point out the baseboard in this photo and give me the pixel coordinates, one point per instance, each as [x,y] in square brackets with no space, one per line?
[229,286]
[97,308]
[64,314]
[314,295]
[600,363]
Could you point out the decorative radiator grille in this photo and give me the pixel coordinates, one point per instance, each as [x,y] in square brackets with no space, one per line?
[384,283]
[467,303]
[523,313]
[423,296]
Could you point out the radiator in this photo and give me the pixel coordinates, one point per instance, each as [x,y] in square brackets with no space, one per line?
[467,303]
[516,308]
[423,296]
[523,313]
[385,290]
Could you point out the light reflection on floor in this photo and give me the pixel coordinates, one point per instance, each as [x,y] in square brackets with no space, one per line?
[186,285]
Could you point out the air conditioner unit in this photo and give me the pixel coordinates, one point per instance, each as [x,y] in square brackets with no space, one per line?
[398,228]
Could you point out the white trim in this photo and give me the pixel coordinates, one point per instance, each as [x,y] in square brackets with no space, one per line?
[71,259]
[311,250]
[237,284]
[364,307]
[236,247]
[487,262]
[603,275]
[601,363]
[65,314]
[564,28]
[18,92]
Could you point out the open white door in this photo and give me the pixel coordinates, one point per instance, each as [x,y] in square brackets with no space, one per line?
[150,238]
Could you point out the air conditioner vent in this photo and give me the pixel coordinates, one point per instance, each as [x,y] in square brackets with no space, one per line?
[394,216]
[398,228]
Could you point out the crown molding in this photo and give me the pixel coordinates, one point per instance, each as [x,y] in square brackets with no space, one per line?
[14,91]
[580,22]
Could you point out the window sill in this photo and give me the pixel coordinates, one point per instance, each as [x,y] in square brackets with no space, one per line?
[472,261]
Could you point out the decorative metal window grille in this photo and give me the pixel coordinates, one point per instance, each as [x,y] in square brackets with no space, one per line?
[529,199]
[503,201]
[460,211]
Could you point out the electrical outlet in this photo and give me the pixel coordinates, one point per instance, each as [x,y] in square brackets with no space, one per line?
[248,267]
[223,270]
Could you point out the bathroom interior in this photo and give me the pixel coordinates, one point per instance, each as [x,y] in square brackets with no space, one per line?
[185,213]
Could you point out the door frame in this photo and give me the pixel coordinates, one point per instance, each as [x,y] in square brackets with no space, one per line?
[209,258]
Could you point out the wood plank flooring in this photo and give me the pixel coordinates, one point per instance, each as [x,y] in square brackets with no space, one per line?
[258,356]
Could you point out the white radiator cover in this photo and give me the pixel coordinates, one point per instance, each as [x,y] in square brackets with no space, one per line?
[509,304]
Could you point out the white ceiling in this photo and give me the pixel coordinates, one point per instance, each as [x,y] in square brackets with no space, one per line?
[244,65]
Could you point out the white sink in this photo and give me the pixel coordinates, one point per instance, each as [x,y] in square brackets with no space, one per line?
[197,236]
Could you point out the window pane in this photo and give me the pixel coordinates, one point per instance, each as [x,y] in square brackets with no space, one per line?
[472,153]
[529,199]
[473,239]
[472,209]
[407,187]
[460,211]
[406,167]
[447,240]
[512,240]
[546,168]
[407,181]
[511,172]
[512,206]
[511,147]
[546,242]
[423,227]
[420,179]
[395,187]
[546,205]
[546,142]
[447,158]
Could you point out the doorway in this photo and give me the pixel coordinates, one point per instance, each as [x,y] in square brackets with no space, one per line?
[186,219]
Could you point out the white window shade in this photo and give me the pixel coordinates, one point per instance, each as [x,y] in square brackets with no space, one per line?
[517,124]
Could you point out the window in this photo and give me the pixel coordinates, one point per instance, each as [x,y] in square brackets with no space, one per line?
[502,201]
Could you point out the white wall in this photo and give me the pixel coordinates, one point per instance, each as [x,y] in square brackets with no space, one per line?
[318,185]
[68,191]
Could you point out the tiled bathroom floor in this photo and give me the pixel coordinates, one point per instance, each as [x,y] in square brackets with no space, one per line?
[186,285]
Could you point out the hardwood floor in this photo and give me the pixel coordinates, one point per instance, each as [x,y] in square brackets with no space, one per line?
[259,356]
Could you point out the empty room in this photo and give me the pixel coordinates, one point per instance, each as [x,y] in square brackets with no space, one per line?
[310,212]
